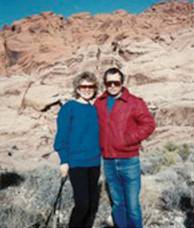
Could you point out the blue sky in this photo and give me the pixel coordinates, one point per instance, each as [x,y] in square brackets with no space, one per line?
[11,10]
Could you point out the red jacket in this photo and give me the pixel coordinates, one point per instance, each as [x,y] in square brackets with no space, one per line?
[123,129]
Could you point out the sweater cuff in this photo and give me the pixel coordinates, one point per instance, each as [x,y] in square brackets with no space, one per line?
[63,158]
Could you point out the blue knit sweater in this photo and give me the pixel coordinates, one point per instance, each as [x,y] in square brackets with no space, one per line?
[77,137]
[110,103]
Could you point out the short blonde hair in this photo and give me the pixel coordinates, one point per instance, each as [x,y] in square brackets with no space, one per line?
[88,76]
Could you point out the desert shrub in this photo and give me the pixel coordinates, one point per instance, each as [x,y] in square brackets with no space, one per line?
[161,158]
[179,191]
[170,146]
[169,159]
[28,205]
[184,152]
[173,197]
[151,163]
[173,154]
[14,217]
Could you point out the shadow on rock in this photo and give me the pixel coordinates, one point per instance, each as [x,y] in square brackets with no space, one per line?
[10,179]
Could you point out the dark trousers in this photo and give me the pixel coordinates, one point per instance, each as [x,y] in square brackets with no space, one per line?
[86,196]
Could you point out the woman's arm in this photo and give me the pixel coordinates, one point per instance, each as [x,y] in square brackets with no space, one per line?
[63,131]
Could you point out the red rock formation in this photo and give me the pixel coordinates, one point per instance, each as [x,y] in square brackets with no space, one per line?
[44,39]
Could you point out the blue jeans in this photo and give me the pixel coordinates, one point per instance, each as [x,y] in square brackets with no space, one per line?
[123,176]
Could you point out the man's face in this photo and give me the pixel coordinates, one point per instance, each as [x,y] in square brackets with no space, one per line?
[113,84]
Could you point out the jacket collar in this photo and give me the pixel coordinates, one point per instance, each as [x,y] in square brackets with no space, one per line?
[124,96]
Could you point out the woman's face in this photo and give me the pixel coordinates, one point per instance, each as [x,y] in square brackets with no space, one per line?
[86,89]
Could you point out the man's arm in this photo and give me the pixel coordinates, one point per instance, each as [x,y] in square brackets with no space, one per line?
[145,124]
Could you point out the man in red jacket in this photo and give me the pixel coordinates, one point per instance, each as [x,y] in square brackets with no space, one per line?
[124,122]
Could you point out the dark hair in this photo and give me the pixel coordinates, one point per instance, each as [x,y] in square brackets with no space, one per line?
[88,76]
[113,70]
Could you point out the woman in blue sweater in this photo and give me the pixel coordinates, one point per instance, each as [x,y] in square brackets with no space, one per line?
[77,143]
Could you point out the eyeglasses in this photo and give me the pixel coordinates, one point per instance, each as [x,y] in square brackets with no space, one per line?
[110,83]
[87,86]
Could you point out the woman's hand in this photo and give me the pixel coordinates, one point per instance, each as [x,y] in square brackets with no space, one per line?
[64,168]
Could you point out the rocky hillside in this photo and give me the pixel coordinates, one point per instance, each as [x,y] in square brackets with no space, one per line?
[39,57]
[48,44]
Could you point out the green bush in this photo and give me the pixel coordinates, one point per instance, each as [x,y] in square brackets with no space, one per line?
[184,152]
[170,146]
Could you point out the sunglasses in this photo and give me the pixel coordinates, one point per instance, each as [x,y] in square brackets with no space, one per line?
[110,83]
[87,87]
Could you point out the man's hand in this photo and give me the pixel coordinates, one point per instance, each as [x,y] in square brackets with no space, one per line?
[64,168]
